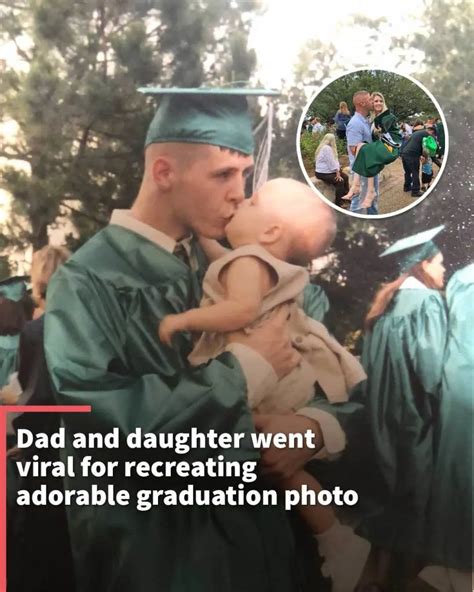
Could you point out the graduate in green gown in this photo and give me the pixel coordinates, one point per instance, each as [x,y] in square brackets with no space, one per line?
[449,533]
[12,317]
[385,149]
[102,349]
[404,348]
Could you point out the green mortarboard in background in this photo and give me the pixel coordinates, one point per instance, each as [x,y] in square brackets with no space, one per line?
[216,116]
[415,249]
[14,288]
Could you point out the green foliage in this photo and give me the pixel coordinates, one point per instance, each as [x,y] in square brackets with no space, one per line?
[308,143]
[402,96]
[4,267]
[355,271]
[81,122]
[448,54]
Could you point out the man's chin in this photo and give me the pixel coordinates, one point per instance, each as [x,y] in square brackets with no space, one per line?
[216,234]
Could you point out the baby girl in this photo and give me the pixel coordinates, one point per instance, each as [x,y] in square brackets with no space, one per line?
[272,234]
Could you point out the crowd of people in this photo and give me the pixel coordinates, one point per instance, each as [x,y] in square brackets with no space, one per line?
[114,329]
[373,139]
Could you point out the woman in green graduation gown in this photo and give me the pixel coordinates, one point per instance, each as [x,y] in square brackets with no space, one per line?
[450,516]
[15,310]
[386,133]
[403,354]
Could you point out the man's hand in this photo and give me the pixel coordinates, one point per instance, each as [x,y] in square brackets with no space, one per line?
[168,327]
[8,396]
[338,176]
[272,341]
[283,463]
[15,453]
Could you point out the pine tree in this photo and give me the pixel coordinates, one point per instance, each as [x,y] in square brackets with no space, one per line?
[80,121]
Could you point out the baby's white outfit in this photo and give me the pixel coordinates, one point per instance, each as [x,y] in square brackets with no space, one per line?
[324,360]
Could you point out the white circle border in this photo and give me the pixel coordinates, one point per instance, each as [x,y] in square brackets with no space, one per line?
[372,216]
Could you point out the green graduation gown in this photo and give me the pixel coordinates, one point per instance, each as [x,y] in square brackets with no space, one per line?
[8,356]
[403,356]
[14,289]
[102,349]
[372,158]
[316,303]
[450,520]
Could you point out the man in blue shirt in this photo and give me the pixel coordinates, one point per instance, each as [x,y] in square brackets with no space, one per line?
[358,130]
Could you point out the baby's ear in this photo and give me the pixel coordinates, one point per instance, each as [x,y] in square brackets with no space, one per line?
[272,233]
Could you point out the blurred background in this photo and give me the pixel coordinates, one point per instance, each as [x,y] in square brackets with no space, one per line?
[72,124]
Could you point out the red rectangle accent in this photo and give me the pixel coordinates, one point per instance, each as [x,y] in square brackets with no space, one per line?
[4,410]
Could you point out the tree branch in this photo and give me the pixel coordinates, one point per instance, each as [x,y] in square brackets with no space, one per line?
[15,156]
[22,53]
[81,213]
[10,4]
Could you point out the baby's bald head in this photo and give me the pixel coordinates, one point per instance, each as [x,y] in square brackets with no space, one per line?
[310,224]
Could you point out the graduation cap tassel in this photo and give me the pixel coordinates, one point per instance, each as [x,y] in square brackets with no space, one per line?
[263,156]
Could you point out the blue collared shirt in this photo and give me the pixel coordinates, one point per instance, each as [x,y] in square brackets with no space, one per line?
[358,130]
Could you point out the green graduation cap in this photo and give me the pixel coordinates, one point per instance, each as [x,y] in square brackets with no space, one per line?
[13,288]
[216,116]
[414,249]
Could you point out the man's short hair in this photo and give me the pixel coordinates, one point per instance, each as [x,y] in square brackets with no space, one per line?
[359,93]
[231,151]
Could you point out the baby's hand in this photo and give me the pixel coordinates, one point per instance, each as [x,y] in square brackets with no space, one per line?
[168,327]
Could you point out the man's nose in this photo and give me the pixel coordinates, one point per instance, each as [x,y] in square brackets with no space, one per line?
[237,193]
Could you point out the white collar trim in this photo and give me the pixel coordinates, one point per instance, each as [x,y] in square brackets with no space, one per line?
[411,283]
[125,219]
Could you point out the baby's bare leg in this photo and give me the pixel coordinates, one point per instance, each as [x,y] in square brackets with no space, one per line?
[355,185]
[370,195]
[354,189]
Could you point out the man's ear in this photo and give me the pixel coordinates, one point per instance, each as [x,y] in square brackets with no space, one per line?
[163,172]
[272,233]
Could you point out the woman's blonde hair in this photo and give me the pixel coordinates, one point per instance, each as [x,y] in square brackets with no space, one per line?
[328,140]
[378,94]
[386,292]
[343,108]
[44,264]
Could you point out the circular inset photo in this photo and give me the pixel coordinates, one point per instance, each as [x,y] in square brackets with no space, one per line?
[373,143]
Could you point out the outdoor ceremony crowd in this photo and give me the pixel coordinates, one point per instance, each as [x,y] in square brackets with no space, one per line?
[156,325]
[419,143]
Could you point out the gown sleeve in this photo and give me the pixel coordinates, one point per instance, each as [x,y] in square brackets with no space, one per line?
[388,122]
[316,303]
[460,297]
[428,343]
[449,537]
[102,355]
[372,158]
